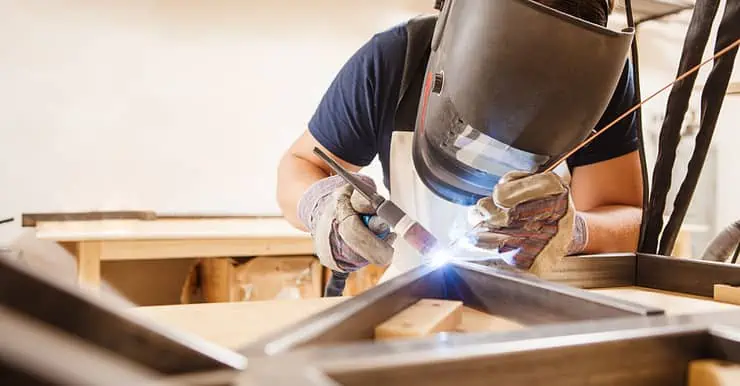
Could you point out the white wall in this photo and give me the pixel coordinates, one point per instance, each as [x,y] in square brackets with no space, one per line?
[173,105]
[185,105]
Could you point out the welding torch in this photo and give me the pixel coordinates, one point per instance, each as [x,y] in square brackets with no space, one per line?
[404,226]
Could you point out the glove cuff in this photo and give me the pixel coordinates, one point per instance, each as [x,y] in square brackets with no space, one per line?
[580,235]
[312,202]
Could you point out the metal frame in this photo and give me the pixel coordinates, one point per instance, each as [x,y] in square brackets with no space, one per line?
[516,295]
[522,297]
[565,320]
[627,351]
[92,322]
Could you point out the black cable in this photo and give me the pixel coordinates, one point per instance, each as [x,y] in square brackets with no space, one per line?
[696,39]
[734,257]
[6,220]
[638,119]
[335,285]
[712,97]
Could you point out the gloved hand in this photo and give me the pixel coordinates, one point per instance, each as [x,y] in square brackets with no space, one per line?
[533,215]
[331,210]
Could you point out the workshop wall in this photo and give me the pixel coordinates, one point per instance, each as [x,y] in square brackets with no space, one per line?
[184,105]
[173,105]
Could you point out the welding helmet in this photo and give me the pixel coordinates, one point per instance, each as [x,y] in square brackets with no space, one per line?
[509,85]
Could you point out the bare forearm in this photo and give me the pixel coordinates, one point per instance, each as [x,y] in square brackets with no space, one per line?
[612,228]
[295,176]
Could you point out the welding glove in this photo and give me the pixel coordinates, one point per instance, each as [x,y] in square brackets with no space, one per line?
[332,211]
[532,217]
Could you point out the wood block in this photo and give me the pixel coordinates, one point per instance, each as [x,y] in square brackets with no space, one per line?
[477,321]
[726,293]
[710,372]
[425,317]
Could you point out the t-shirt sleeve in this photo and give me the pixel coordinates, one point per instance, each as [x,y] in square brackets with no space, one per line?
[619,139]
[348,118]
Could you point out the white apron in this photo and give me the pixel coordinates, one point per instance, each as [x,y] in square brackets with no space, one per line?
[444,219]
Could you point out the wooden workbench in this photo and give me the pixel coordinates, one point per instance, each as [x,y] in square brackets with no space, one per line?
[235,324]
[108,240]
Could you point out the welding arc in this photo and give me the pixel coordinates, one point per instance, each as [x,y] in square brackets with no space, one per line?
[637,106]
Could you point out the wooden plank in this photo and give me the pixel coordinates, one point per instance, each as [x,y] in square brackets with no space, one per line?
[709,372]
[726,293]
[423,318]
[171,229]
[32,219]
[88,265]
[183,248]
[695,277]
[673,303]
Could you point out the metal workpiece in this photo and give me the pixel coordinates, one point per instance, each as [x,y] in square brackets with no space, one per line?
[594,271]
[519,296]
[623,351]
[103,325]
[33,352]
[690,276]
[356,318]
[528,299]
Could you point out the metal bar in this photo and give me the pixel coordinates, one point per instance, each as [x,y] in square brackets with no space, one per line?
[628,351]
[531,300]
[725,343]
[595,271]
[623,358]
[33,351]
[690,276]
[354,319]
[100,324]
[453,344]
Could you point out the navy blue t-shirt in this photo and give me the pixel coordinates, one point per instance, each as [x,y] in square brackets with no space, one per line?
[355,118]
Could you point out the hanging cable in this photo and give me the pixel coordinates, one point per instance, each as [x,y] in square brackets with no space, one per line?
[638,121]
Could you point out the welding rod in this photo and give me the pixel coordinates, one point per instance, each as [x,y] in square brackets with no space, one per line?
[637,106]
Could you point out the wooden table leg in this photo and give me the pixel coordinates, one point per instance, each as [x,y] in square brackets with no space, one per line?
[218,280]
[88,265]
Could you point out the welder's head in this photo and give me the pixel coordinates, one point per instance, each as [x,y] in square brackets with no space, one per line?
[512,85]
[594,11]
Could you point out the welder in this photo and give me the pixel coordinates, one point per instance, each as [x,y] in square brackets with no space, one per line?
[464,109]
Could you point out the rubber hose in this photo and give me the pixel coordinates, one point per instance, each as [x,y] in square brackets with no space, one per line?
[720,248]
[335,285]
